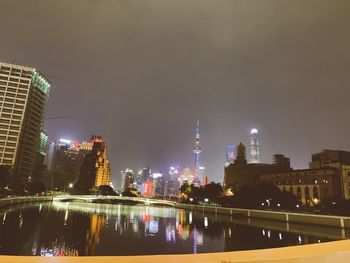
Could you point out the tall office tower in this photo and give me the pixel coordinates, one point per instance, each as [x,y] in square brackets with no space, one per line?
[201,175]
[128,178]
[103,166]
[23,96]
[254,146]
[197,151]
[173,184]
[95,168]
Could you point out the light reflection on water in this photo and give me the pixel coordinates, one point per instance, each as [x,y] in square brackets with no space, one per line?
[61,229]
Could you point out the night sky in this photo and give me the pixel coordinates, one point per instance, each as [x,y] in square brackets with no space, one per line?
[140,73]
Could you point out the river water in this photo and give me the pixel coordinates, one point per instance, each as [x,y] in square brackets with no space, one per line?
[79,229]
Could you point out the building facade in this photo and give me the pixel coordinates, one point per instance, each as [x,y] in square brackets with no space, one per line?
[241,173]
[311,186]
[23,97]
[339,160]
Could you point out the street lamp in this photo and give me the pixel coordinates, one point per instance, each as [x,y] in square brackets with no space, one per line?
[70,185]
[206,200]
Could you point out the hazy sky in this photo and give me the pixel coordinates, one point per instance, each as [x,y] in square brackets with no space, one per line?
[140,73]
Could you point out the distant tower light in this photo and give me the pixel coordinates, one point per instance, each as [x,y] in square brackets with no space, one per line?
[254,146]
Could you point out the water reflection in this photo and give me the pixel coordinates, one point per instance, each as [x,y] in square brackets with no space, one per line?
[71,229]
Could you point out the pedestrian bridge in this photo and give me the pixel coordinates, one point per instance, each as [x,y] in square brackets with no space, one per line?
[101,198]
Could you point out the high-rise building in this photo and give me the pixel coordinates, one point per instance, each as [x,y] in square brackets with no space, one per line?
[197,151]
[254,146]
[201,175]
[95,169]
[173,184]
[186,176]
[23,96]
[128,179]
[63,161]
[231,153]
[103,166]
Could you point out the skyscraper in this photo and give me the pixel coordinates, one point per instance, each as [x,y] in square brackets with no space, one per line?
[254,146]
[23,96]
[95,170]
[197,151]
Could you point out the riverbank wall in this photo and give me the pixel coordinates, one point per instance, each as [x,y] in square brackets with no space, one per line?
[312,219]
[23,199]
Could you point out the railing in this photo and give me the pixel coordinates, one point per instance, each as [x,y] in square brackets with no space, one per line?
[92,198]
[322,220]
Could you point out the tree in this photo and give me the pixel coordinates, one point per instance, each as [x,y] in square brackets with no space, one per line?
[35,187]
[212,190]
[262,196]
[106,190]
[131,192]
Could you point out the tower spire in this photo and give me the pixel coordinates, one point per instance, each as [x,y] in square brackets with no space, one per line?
[197,151]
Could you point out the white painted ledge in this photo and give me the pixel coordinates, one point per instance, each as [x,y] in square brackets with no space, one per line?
[332,252]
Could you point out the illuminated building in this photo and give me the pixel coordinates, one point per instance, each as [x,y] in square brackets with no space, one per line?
[172,185]
[23,96]
[128,178]
[254,146]
[311,186]
[95,169]
[141,177]
[231,152]
[186,176]
[103,173]
[201,175]
[64,159]
[337,159]
[206,180]
[158,184]
[148,188]
[197,151]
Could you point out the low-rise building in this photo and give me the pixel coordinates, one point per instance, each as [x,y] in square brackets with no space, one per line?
[311,186]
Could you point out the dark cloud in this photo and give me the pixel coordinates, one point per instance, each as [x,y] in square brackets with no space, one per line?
[141,72]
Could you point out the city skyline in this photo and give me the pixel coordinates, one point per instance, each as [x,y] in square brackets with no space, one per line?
[132,76]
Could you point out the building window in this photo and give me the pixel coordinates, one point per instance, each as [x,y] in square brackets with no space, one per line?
[299,194]
[315,192]
[307,193]
[291,190]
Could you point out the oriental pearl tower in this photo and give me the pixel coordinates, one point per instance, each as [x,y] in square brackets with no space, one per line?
[197,151]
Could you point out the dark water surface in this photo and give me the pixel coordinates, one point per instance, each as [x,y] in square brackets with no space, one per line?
[60,229]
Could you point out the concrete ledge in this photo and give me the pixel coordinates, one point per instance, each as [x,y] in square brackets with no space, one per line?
[23,199]
[337,251]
